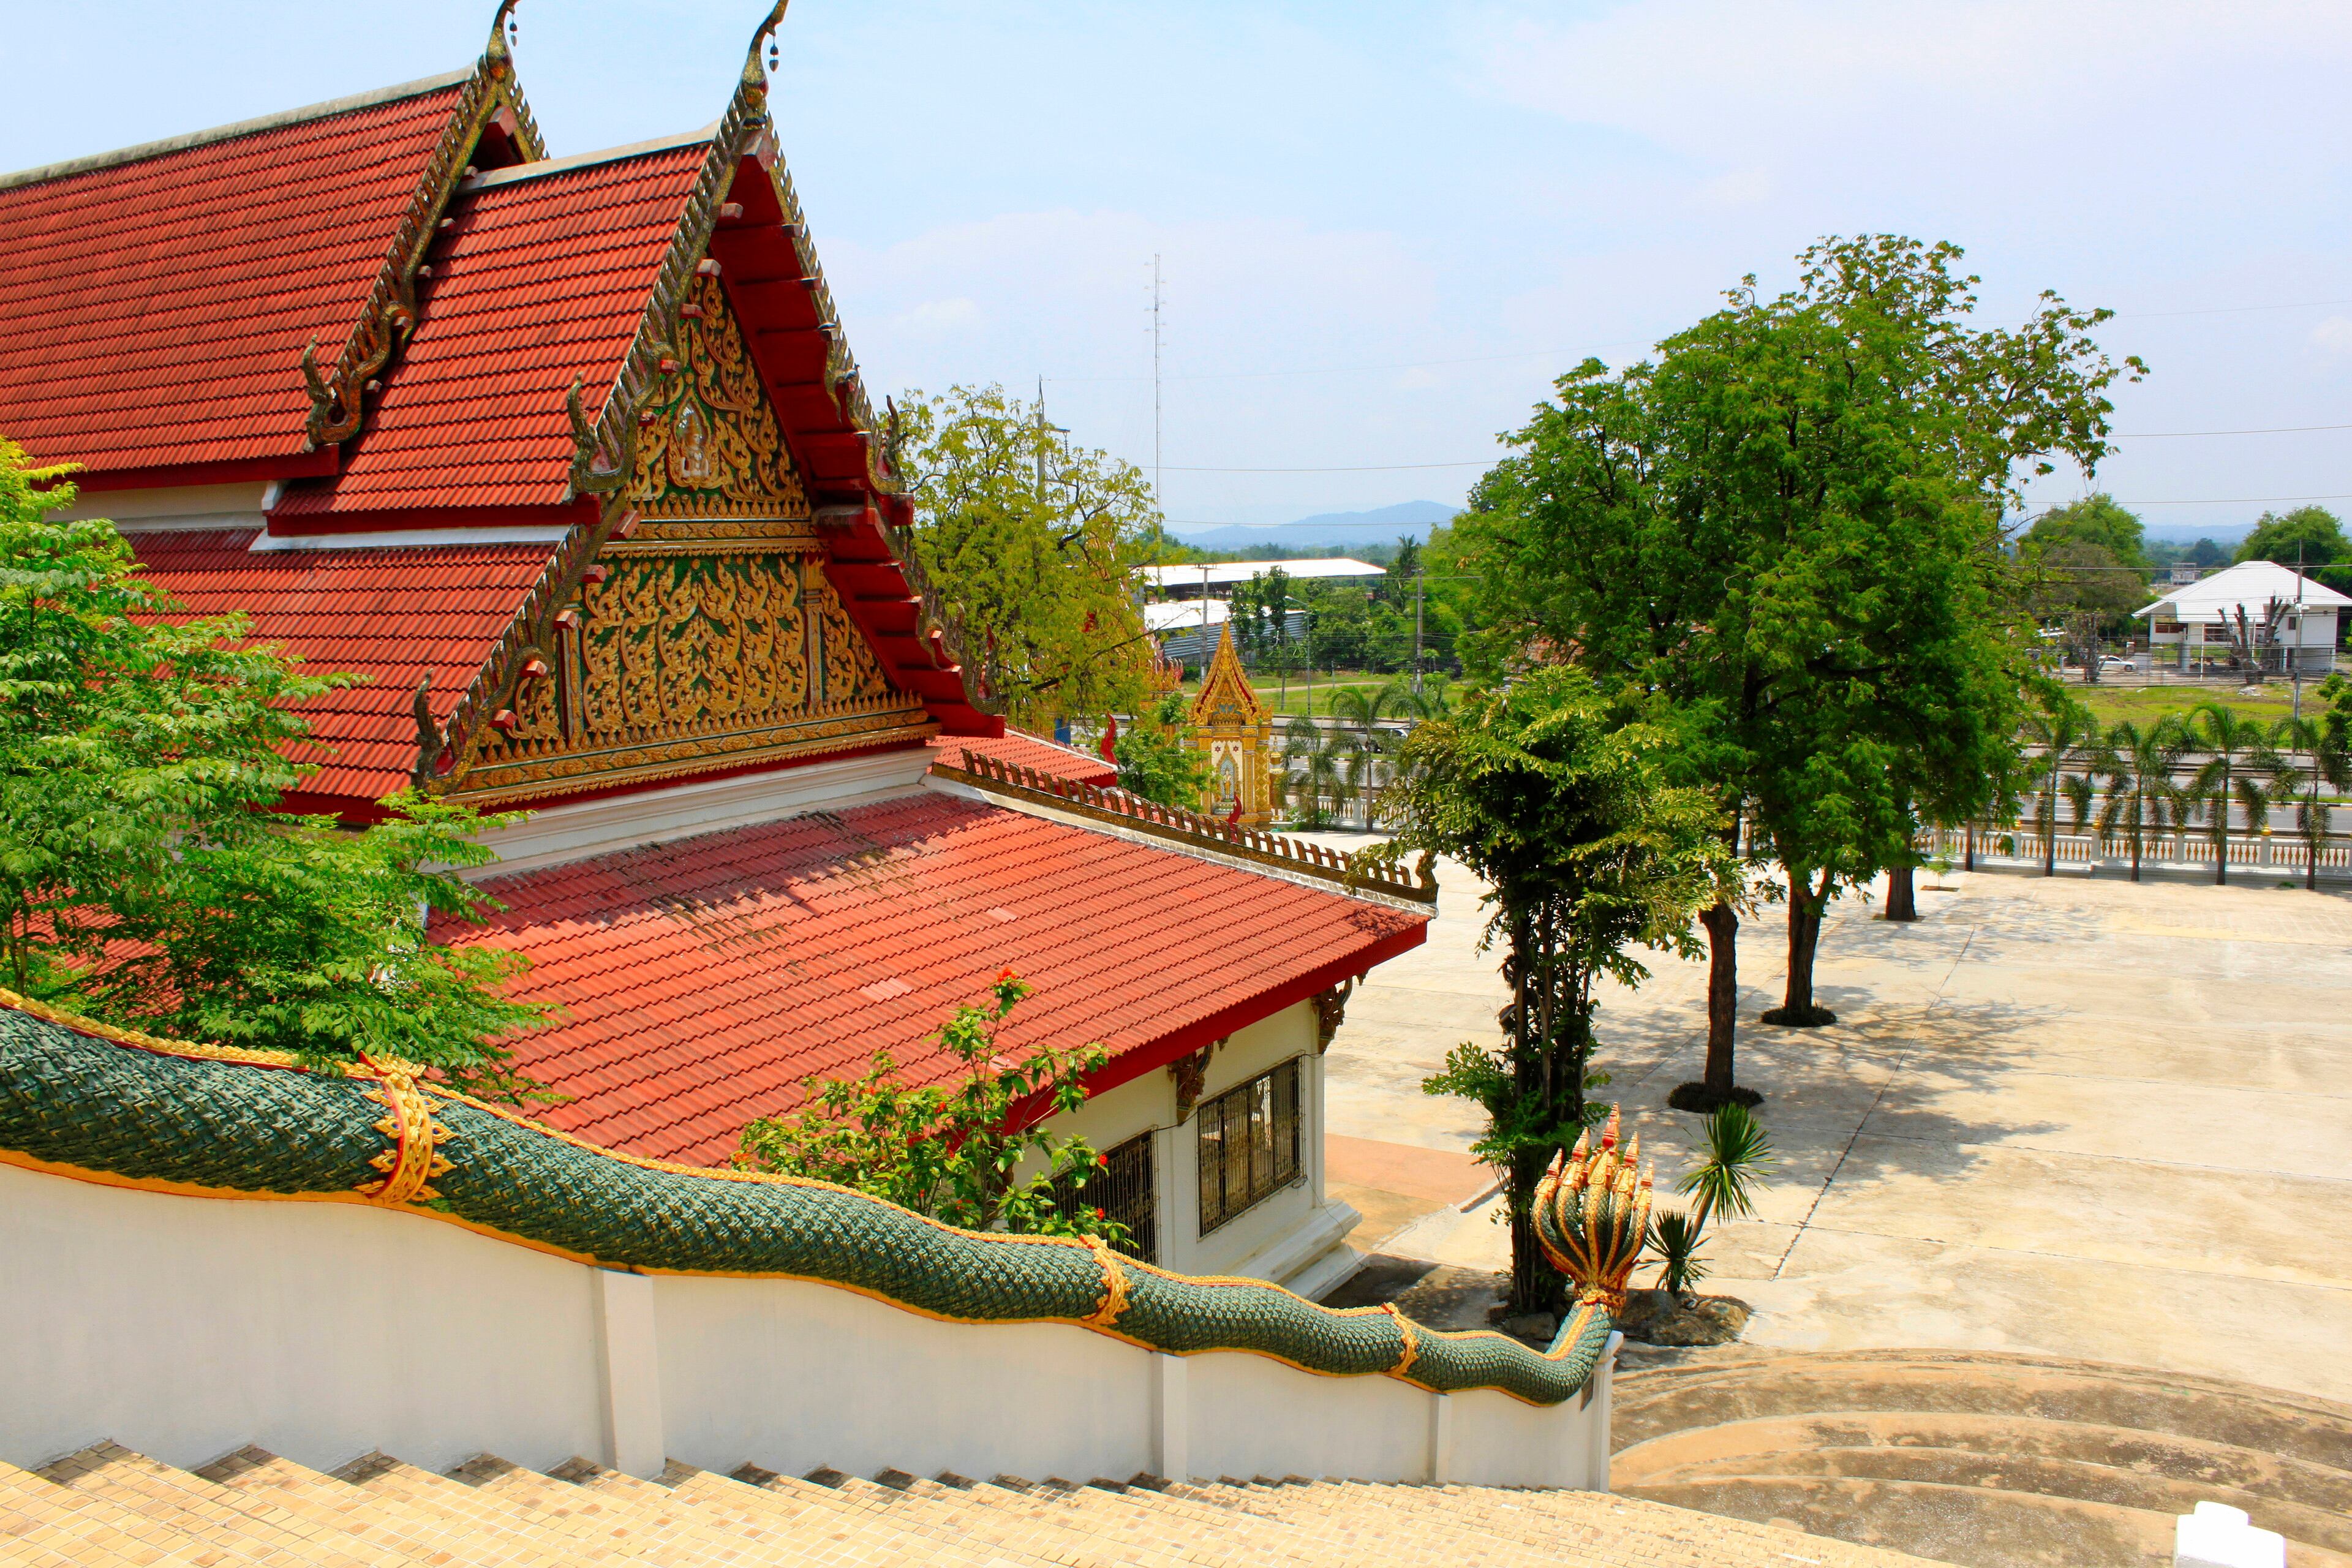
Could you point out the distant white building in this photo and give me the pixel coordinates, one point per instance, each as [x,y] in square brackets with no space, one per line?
[1188,630]
[1204,579]
[2198,616]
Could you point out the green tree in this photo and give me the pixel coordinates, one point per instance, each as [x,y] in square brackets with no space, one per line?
[1032,544]
[1785,526]
[2238,759]
[2095,519]
[2204,552]
[1549,793]
[1157,760]
[2081,586]
[146,877]
[2139,763]
[972,1152]
[2309,533]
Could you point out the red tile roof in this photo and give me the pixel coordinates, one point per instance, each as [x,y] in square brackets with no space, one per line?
[705,978]
[153,311]
[1025,751]
[538,280]
[392,615]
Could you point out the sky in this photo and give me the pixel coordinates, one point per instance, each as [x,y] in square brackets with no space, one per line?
[1384,229]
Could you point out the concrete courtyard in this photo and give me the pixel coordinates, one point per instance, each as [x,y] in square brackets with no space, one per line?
[2071,1115]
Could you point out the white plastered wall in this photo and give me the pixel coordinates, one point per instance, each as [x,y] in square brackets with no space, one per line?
[1291,1236]
[184,1328]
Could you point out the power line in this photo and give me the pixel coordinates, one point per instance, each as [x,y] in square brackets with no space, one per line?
[2268,430]
[1360,468]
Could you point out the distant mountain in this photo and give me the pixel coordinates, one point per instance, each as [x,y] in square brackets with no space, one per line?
[1384,525]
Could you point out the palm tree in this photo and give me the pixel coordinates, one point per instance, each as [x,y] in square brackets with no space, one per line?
[2143,798]
[1327,772]
[2331,764]
[2238,754]
[1365,707]
[2061,730]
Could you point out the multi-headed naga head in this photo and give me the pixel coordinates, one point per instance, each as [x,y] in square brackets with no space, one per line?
[1592,1215]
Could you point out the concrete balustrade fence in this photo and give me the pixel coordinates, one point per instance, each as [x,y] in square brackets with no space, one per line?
[185,1327]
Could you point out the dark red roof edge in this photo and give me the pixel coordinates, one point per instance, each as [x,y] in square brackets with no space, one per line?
[1129,1065]
[315,464]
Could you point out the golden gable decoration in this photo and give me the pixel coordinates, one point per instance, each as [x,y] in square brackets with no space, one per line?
[681,660]
[1236,732]
[708,442]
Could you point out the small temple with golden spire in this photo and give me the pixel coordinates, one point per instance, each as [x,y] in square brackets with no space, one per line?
[1236,731]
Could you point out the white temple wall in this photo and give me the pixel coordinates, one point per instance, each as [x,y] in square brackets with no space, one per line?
[184,1328]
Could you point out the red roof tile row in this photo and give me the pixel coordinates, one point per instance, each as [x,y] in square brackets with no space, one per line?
[704,979]
[395,616]
[155,311]
[1025,751]
[536,280]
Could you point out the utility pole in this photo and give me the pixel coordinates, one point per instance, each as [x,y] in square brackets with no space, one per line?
[1157,499]
[1045,433]
[1204,627]
[1419,575]
[2295,653]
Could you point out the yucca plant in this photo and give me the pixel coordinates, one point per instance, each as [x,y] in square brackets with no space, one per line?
[1733,1157]
[1675,1238]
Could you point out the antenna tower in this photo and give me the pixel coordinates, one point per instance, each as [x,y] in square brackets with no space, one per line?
[1157,499]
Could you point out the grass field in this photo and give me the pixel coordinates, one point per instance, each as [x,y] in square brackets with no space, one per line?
[2146,704]
[1295,699]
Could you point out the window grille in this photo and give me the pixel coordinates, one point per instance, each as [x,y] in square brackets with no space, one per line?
[1122,1189]
[1249,1145]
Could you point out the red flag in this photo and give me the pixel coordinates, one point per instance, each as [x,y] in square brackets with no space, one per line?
[1110,739]
[1234,817]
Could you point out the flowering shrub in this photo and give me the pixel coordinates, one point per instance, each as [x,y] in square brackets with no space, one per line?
[971,1151]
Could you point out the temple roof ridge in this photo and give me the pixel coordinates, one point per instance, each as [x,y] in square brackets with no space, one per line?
[518,173]
[163,146]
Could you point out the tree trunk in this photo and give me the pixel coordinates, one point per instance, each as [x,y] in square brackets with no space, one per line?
[1901,902]
[1797,1009]
[1968,855]
[2050,834]
[1536,1285]
[1722,923]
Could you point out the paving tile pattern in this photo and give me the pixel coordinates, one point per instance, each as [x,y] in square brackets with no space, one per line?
[106,1506]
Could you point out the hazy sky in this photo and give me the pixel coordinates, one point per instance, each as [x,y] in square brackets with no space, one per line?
[1385,227]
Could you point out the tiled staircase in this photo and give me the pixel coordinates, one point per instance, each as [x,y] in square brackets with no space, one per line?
[1983,1458]
[106,1505]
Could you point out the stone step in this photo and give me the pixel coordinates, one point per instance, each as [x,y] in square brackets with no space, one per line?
[1653,1403]
[1979,1527]
[500,1531]
[2146,1469]
[46,1525]
[845,1531]
[259,1530]
[257,1477]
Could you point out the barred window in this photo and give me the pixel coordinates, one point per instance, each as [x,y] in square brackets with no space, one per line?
[1122,1189]
[1249,1145]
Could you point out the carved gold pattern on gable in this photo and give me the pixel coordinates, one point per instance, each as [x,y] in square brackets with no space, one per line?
[709,443]
[682,660]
